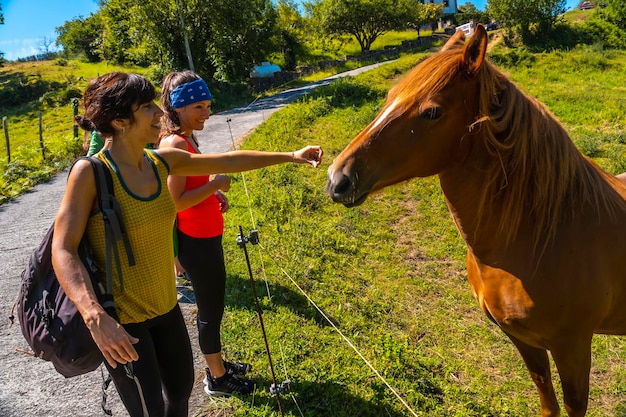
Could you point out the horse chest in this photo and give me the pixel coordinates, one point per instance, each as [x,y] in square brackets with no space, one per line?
[505,301]
[502,297]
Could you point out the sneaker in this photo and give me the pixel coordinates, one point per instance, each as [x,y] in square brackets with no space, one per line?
[233,368]
[237,368]
[227,385]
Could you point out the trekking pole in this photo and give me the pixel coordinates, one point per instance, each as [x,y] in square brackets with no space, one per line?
[275,389]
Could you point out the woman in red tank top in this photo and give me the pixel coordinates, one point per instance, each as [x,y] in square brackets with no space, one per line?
[186,102]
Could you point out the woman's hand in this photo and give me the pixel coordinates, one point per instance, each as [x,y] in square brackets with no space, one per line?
[309,155]
[112,339]
[222,181]
[223,201]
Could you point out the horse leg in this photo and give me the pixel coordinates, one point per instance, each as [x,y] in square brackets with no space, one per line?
[538,365]
[573,360]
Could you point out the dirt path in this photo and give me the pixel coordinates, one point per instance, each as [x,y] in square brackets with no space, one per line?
[30,387]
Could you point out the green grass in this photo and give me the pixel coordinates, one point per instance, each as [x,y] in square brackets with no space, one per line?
[390,273]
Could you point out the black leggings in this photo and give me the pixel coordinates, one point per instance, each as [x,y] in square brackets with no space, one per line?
[203,259]
[164,369]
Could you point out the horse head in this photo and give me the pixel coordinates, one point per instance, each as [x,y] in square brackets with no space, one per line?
[421,128]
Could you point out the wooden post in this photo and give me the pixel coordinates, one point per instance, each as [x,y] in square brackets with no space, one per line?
[5,124]
[43,152]
[75,112]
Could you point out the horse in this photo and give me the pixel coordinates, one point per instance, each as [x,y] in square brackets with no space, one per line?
[544,226]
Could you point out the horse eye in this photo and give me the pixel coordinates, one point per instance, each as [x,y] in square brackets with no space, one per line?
[432,113]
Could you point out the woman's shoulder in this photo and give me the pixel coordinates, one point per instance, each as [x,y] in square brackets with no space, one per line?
[81,175]
[173,141]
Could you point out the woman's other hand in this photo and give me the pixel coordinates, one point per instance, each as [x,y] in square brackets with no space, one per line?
[224,206]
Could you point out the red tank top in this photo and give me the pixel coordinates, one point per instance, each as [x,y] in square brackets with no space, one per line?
[205,219]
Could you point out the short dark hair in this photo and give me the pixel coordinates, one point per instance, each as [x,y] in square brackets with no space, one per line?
[115,95]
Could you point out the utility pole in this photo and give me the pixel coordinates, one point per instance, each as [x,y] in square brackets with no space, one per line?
[182,26]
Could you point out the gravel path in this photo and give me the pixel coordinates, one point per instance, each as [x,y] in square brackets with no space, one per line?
[30,387]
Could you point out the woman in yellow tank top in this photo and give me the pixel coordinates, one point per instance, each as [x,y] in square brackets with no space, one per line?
[151,335]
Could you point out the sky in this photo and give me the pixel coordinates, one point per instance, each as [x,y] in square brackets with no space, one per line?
[28,22]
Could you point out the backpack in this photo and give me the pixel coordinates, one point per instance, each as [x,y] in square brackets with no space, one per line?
[49,320]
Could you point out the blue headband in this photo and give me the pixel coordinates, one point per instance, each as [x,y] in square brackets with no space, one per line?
[190,93]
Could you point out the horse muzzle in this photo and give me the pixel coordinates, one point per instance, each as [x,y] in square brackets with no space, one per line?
[343,188]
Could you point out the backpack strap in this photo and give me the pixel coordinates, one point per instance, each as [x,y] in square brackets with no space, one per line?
[114,230]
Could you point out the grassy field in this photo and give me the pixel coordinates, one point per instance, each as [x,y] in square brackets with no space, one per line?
[390,274]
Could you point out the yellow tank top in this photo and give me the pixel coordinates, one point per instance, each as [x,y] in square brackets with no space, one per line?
[149,286]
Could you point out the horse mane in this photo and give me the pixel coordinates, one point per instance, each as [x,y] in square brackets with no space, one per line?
[536,172]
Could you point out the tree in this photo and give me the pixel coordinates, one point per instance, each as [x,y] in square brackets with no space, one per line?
[616,13]
[468,8]
[366,20]
[239,40]
[81,37]
[421,14]
[117,34]
[156,30]
[223,44]
[290,28]
[607,26]
[468,12]
[44,45]
[526,16]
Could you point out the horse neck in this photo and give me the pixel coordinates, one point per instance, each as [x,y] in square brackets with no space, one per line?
[481,197]
[491,189]
[478,222]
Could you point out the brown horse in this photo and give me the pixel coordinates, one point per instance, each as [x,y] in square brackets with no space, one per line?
[545,227]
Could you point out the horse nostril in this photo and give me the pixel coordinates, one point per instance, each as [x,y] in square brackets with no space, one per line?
[339,185]
[343,186]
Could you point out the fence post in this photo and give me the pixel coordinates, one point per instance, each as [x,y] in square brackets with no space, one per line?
[43,152]
[5,124]
[75,112]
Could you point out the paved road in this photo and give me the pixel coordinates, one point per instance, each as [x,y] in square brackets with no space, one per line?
[30,387]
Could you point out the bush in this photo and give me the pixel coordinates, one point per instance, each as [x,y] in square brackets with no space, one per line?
[156,74]
[20,89]
[513,58]
[347,93]
[608,34]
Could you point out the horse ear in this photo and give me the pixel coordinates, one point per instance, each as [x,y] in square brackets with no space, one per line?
[456,40]
[474,53]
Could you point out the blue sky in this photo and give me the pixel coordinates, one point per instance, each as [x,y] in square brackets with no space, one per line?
[27,22]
